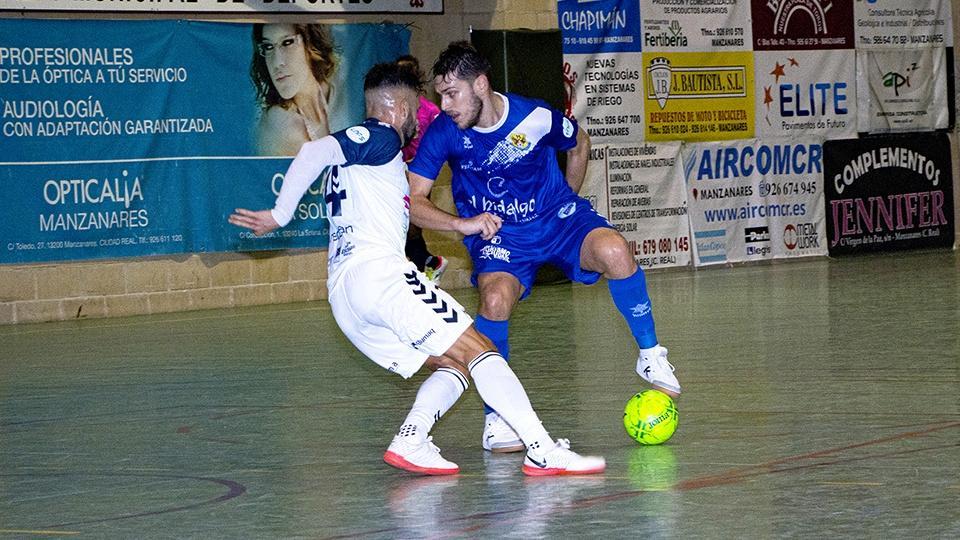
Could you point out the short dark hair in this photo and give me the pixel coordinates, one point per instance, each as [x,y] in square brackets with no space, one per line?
[461,60]
[390,74]
[411,63]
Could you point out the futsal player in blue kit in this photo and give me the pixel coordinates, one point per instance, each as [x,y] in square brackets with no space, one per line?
[387,308]
[501,149]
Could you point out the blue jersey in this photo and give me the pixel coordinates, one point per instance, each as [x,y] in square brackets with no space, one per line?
[509,169]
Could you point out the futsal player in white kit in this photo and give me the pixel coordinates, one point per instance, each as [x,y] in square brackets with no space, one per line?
[384,305]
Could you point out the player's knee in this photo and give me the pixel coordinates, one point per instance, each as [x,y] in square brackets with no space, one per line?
[614,258]
[436,362]
[497,301]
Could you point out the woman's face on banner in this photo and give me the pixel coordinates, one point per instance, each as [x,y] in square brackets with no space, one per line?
[286,58]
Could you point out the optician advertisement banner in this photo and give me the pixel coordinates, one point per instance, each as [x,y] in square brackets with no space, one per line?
[889,193]
[903,90]
[806,92]
[895,24]
[755,199]
[639,188]
[229,6]
[603,68]
[693,25]
[132,138]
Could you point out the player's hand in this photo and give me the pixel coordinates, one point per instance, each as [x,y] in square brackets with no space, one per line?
[260,221]
[485,224]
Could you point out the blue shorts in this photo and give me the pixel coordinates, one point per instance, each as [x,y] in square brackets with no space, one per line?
[521,249]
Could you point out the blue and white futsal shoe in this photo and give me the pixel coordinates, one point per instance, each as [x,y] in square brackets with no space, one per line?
[653,367]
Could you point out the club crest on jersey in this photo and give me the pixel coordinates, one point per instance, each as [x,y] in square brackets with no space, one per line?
[467,143]
[567,210]
[358,134]
[519,140]
[567,128]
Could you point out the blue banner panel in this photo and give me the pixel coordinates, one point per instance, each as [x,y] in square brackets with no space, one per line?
[133,138]
[888,193]
[599,26]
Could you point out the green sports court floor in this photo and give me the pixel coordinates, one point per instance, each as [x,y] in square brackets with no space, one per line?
[821,399]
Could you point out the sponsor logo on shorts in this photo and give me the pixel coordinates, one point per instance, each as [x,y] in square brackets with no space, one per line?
[417,343]
[494,252]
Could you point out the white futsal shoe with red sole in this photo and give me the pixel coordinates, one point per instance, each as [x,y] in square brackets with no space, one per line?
[560,460]
[418,456]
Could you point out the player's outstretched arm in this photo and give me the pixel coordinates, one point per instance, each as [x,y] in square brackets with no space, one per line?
[259,221]
[427,215]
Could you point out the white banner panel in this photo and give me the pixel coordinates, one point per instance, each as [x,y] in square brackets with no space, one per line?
[606,96]
[228,6]
[696,26]
[639,188]
[902,90]
[808,92]
[755,199]
[898,24]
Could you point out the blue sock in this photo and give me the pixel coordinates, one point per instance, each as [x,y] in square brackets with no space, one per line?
[631,298]
[499,333]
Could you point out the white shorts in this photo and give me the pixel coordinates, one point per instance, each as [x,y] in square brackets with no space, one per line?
[395,315]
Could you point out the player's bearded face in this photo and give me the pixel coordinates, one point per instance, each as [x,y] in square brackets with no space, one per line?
[409,127]
[459,101]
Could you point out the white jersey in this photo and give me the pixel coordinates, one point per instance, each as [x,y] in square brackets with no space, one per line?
[383,304]
[366,193]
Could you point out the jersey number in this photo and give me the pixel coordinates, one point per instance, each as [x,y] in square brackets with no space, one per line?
[332,194]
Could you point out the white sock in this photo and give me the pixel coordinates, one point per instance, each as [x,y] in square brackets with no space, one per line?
[436,395]
[501,390]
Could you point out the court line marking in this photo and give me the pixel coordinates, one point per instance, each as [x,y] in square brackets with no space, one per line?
[733,476]
[160,319]
[28,531]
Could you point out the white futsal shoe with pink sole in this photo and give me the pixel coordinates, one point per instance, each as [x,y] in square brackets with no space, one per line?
[560,460]
[418,456]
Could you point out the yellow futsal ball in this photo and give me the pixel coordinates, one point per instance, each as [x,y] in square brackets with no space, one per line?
[650,417]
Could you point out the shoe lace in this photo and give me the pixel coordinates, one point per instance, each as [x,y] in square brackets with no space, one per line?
[429,442]
[563,443]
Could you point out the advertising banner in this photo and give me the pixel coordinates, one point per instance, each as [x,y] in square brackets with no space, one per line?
[755,200]
[639,188]
[603,68]
[889,193]
[694,25]
[229,6]
[895,24]
[806,92]
[802,24]
[132,138]
[699,96]
[903,90]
